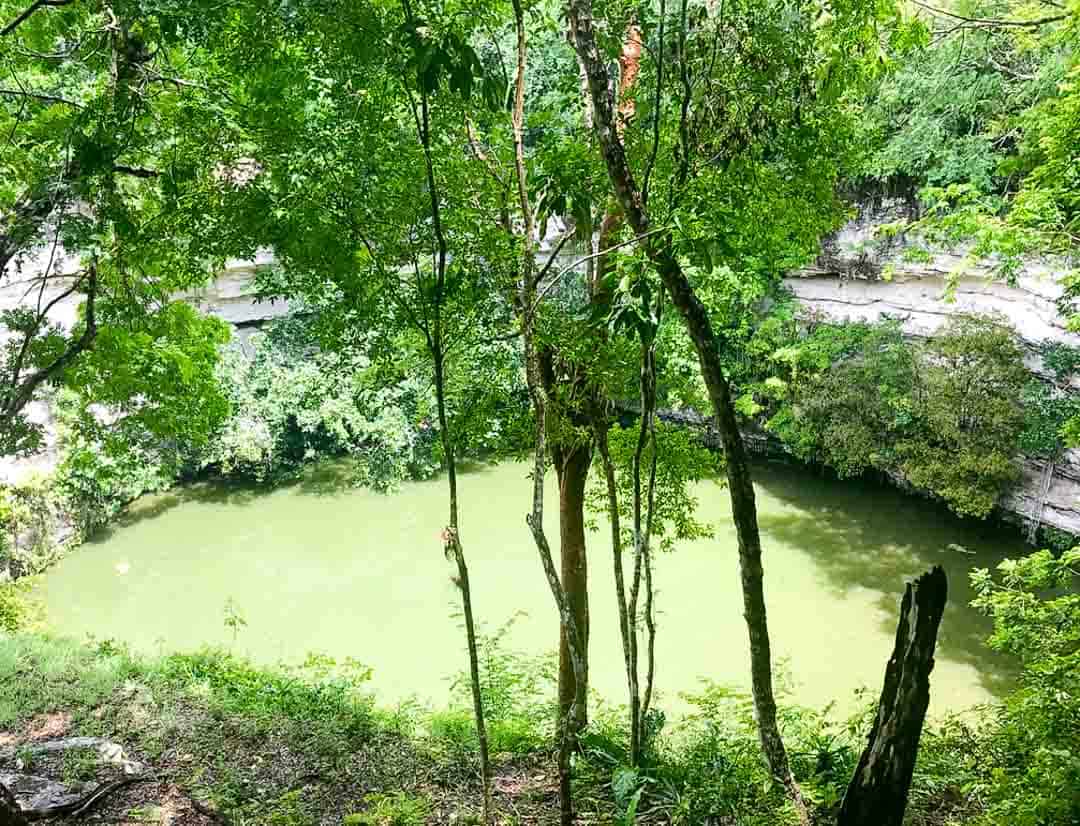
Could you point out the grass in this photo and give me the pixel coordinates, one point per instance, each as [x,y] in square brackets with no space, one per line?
[309,747]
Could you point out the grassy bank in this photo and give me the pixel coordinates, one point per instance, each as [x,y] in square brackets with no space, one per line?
[231,743]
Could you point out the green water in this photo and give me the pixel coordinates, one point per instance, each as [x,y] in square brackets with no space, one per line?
[319,566]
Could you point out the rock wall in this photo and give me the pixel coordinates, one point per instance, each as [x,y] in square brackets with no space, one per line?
[858,278]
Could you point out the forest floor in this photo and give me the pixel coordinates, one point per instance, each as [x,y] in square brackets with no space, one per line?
[215,741]
[207,739]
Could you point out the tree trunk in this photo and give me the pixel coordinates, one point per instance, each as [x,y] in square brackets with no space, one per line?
[696,319]
[878,791]
[573,471]
[627,630]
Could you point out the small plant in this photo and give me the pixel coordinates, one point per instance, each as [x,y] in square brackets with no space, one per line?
[399,809]
[627,785]
[79,765]
[24,758]
[234,620]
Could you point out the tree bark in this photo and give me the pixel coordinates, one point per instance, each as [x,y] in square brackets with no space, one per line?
[573,471]
[625,628]
[699,327]
[878,791]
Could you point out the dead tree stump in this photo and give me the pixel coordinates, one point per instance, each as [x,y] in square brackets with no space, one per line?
[878,792]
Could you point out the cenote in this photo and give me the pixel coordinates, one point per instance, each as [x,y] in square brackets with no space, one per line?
[321,566]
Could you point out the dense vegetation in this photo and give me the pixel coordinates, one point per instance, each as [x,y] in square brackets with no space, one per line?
[421,171]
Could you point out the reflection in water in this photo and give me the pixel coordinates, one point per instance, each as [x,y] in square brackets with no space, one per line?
[321,566]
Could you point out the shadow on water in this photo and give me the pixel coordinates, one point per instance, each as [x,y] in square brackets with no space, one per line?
[153,505]
[328,478]
[869,536]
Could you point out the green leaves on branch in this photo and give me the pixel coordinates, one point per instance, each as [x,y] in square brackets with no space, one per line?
[945,416]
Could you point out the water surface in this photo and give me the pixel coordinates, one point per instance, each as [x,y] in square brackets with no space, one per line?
[319,566]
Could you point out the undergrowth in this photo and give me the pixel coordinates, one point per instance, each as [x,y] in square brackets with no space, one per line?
[308,745]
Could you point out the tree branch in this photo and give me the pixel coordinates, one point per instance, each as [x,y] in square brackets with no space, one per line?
[136,171]
[33,7]
[551,284]
[21,394]
[991,22]
[20,93]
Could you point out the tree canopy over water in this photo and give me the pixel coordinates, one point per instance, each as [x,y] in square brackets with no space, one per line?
[528,228]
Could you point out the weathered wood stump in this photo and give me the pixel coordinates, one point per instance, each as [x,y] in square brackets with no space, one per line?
[878,792]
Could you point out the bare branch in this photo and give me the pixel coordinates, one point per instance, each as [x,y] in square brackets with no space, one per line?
[481,155]
[991,22]
[21,93]
[551,284]
[21,394]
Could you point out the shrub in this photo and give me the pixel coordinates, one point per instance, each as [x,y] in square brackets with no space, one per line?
[292,404]
[946,415]
[1034,760]
[30,527]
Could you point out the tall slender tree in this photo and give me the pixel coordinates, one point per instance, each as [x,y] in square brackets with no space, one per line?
[752,97]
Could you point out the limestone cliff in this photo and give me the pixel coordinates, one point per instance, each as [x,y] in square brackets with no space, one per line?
[859,278]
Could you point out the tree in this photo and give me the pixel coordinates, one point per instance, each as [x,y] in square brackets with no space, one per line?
[747,104]
[878,792]
[104,134]
[382,231]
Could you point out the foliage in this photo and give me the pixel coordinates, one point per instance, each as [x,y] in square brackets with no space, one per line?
[18,610]
[102,470]
[1050,415]
[717,773]
[516,691]
[320,692]
[154,378]
[681,460]
[947,112]
[392,810]
[997,765]
[970,380]
[849,389]
[110,123]
[977,120]
[30,519]
[135,410]
[1034,765]
[293,403]
[945,414]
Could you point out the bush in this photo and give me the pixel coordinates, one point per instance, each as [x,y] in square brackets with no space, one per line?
[292,404]
[30,527]
[98,477]
[1033,762]
[14,608]
[946,415]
